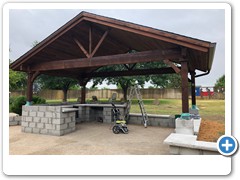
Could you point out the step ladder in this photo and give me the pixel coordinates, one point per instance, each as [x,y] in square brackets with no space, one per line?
[135,90]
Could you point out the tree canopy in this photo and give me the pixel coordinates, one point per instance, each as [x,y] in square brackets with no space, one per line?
[220,83]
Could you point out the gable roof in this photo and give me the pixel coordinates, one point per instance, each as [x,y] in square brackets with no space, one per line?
[120,38]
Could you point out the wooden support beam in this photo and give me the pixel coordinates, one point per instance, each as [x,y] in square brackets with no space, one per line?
[83,83]
[193,94]
[129,58]
[99,43]
[176,69]
[29,88]
[137,72]
[81,47]
[184,76]
[90,40]
[35,75]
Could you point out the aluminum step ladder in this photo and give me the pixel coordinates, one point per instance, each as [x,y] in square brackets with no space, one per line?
[135,90]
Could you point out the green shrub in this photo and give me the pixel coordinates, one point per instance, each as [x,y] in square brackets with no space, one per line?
[16,103]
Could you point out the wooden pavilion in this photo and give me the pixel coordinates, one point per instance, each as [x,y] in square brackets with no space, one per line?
[88,42]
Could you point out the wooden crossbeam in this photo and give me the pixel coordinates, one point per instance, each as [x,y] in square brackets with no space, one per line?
[81,47]
[129,58]
[99,43]
[176,69]
[136,72]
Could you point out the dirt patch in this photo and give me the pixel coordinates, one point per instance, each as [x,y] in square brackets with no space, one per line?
[210,130]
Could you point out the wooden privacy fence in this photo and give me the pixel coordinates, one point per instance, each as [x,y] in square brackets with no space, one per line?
[107,93]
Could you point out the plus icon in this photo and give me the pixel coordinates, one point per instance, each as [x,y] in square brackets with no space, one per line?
[227,145]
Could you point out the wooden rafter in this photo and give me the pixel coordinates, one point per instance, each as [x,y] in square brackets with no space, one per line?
[90,39]
[130,58]
[99,43]
[82,48]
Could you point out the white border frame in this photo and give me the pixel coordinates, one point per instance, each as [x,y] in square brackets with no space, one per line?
[105,165]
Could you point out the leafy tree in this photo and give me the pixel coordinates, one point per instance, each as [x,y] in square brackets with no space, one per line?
[123,82]
[57,83]
[17,80]
[220,83]
[162,81]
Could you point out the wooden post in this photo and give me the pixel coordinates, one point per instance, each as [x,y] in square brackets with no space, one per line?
[193,88]
[83,83]
[83,95]
[184,77]
[29,89]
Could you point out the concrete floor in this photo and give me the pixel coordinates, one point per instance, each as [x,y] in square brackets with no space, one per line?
[92,139]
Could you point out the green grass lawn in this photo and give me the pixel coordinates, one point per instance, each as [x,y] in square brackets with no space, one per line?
[209,109]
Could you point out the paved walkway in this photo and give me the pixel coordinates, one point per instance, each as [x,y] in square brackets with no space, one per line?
[92,139]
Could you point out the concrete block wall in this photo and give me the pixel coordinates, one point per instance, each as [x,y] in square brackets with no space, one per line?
[86,113]
[154,120]
[48,120]
[177,150]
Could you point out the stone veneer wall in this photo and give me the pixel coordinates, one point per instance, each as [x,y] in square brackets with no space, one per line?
[47,120]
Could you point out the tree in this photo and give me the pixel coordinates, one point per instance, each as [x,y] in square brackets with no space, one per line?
[17,80]
[57,83]
[123,82]
[220,83]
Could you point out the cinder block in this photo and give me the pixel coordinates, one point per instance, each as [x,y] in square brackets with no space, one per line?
[184,126]
[68,120]
[44,120]
[71,124]
[33,114]
[29,119]
[49,126]
[57,115]
[40,125]
[43,131]
[23,118]
[58,121]
[33,108]
[36,130]
[56,132]
[71,114]
[64,115]
[189,151]
[37,119]
[174,150]
[205,152]
[48,114]
[163,123]
[51,108]
[42,108]
[28,130]
[58,109]
[40,114]
[49,120]
[61,127]
[25,124]
[32,124]
[24,113]
[73,119]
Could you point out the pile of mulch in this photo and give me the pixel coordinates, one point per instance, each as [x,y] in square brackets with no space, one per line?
[210,131]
